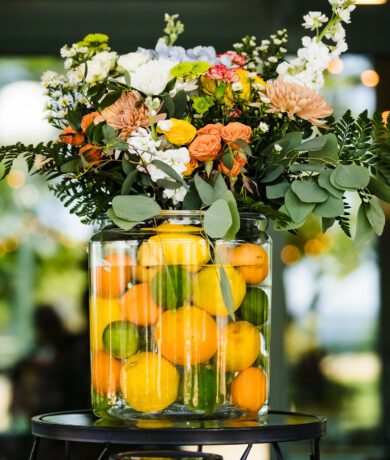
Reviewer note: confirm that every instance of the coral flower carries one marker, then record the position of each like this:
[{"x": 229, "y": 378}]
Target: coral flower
[
  {"x": 91, "y": 152},
  {"x": 71, "y": 137},
  {"x": 238, "y": 163},
  {"x": 221, "y": 72},
  {"x": 297, "y": 101},
  {"x": 191, "y": 166},
  {"x": 88, "y": 119},
  {"x": 237, "y": 59},
  {"x": 236, "y": 130},
  {"x": 128, "y": 113},
  {"x": 205, "y": 147},
  {"x": 211, "y": 128}
]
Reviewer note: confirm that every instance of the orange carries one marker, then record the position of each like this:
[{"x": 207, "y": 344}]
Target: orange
[
  {"x": 102, "y": 313},
  {"x": 111, "y": 279},
  {"x": 249, "y": 389},
  {"x": 252, "y": 262},
  {"x": 105, "y": 373},
  {"x": 314, "y": 247},
  {"x": 290, "y": 254},
  {"x": 139, "y": 307},
  {"x": 239, "y": 346},
  {"x": 186, "y": 336}
]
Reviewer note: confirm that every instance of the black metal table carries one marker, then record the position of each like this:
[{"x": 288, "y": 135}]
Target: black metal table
[{"x": 275, "y": 428}]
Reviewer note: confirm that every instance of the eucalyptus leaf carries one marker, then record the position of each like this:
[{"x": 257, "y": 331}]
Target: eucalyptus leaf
[
  {"x": 127, "y": 78},
  {"x": 298, "y": 167},
  {"x": 236, "y": 223},
  {"x": 220, "y": 187},
  {"x": 226, "y": 291},
  {"x": 121, "y": 223},
  {"x": 169, "y": 171},
  {"x": 228, "y": 160},
  {"x": 129, "y": 181},
  {"x": 72, "y": 166},
  {"x": 128, "y": 167},
  {"x": 192, "y": 200},
  {"x": 364, "y": 230},
  {"x": 375, "y": 215},
  {"x": 290, "y": 141},
  {"x": 205, "y": 190},
  {"x": 218, "y": 219},
  {"x": 169, "y": 184},
  {"x": 277, "y": 190},
  {"x": 272, "y": 173},
  {"x": 317, "y": 143},
  {"x": 180, "y": 101},
  {"x": 309, "y": 191},
  {"x": 110, "y": 98},
  {"x": 109, "y": 133},
  {"x": 379, "y": 189},
  {"x": 297, "y": 210},
  {"x": 331, "y": 148},
  {"x": 332, "y": 207},
  {"x": 351, "y": 177},
  {"x": 325, "y": 182},
  {"x": 283, "y": 224},
  {"x": 244, "y": 146},
  {"x": 135, "y": 208}
]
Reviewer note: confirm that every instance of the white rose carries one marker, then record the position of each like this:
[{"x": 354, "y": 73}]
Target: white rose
[
  {"x": 152, "y": 77},
  {"x": 99, "y": 66},
  {"x": 131, "y": 61}
]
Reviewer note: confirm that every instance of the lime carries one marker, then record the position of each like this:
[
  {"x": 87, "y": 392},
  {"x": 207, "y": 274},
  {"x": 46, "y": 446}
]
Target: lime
[
  {"x": 120, "y": 339},
  {"x": 199, "y": 388},
  {"x": 170, "y": 287},
  {"x": 254, "y": 307}
]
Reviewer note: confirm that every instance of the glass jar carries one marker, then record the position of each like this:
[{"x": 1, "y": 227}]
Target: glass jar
[{"x": 179, "y": 322}]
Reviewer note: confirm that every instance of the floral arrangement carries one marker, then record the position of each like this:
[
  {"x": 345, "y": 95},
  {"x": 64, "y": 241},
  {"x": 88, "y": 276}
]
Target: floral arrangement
[{"x": 175, "y": 128}]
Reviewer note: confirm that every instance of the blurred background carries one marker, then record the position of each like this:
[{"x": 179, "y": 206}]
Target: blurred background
[{"x": 331, "y": 310}]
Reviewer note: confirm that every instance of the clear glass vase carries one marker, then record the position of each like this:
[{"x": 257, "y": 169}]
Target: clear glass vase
[{"x": 179, "y": 322}]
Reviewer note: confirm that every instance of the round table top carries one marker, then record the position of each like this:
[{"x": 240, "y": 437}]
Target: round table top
[{"x": 83, "y": 426}]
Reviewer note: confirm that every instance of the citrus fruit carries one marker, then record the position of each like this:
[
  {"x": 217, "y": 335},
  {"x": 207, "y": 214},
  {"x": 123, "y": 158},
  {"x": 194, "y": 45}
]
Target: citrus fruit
[
  {"x": 174, "y": 249},
  {"x": 199, "y": 388},
  {"x": 120, "y": 339},
  {"x": 249, "y": 389},
  {"x": 149, "y": 383},
  {"x": 102, "y": 312},
  {"x": 207, "y": 289},
  {"x": 111, "y": 278},
  {"x": 186, "y": 336},
  {"x": 240, "y": 346},
  {"x": 171, "y": 286},
  {"x": 105, "y": 372},
  {"x": 138, "y": 305},
  {"x": 167, "y": 227},
  {"x": 254, "y": 307},
  {"x": 252, "y": 262}
]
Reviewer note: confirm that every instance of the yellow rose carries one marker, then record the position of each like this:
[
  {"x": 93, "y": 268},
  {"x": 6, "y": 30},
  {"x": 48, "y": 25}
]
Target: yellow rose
[
  {"x": 208, "y": 85},
  {"x": 178, "y": 132}
]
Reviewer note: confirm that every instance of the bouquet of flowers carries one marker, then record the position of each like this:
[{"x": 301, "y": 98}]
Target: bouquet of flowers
[{"x": 243, "y": 130}]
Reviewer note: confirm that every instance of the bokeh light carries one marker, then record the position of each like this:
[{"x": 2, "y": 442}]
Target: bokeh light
[
  {"x": 370, "y": 78},
  {"x": 336, "y": 66}
]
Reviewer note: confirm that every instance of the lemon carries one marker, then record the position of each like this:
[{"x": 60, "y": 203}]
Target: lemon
[
  {"x": 149, "y": 382},
  {"x": 174, "y": 249},
  {"x": 240, "y": 346},
  {"x": 207, "y": 293},
  {"x": 102, "y": 312},
  {"x": 167, "y": 227}
]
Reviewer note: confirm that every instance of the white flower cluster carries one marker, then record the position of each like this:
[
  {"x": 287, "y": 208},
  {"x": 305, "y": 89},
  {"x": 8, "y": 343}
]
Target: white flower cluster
[
  {"x": 98, "y": 68},
  {"x": 142, "y": 144},
  {"x": 307, "y": 69}
]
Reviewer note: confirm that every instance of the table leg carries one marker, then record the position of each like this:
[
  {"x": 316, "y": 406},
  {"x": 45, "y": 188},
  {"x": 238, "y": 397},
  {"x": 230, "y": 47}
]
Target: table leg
[
  {"x": 246, "y": 452},
  {"x": 200, "y": 448},
  {"x": 34, "y": 450},
  {"x": 277, "y": 450},
  {"x": 104, "y": 453},
  {"x": 316, "y": 451},
  {"x": 66, "y": 450}
]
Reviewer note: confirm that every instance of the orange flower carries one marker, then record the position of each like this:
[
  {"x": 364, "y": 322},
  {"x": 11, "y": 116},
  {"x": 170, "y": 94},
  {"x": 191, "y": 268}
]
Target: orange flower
[
  {"x": 88, "y": 119},
  {"x": 238, "y": 163},
  {"x": 191, "y": 166},
  {"x": 127, "y": 113},
  {"x": 71, "y": 136},
  {"x": 211, "y": 129},
  {"x": 205, "y": 147},
  {"x": 234, "y": 131},
  {"x": 91, "y": 152}
]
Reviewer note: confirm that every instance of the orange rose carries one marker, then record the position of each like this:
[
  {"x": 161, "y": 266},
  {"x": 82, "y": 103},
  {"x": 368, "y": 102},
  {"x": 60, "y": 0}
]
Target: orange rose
[
  {"x": 191, "y": 166},
  {"x": 92, "y": 153},
  {"x": 205, "y": 147},
  {"x": 211, "y": 129},
  {"x": 88, "y": 119},
  {"x": 238, "y": 163},
  {"x": 236, "y": 130},
  {"x": 71, "y": 136}
]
